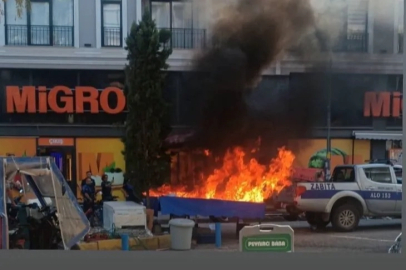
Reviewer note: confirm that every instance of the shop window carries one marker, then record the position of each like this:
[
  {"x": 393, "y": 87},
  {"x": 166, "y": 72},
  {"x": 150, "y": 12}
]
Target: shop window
[{"x": 52, "y": 77}]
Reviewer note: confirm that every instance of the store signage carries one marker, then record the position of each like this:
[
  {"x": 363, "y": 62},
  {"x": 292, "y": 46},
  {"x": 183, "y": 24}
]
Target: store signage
[
  {"x": 62, "y": 99},
  {"x": 56, "y": 142},
  {"x": 383, "y": 104},
  {"x": 267, "y": 243}
]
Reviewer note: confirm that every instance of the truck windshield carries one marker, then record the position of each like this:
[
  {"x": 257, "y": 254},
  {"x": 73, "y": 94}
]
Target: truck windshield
[{"x": 343, "y": 174}]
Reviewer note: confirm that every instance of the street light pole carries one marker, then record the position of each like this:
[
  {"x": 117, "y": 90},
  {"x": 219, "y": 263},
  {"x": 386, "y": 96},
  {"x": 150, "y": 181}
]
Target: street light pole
[{"x": 328, "y": 154}]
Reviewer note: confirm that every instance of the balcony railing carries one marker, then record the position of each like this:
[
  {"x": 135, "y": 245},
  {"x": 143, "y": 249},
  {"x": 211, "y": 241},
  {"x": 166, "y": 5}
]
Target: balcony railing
[
  {"x": 112, "y": 37},
  {"x": 187, "y": 38},
  {"x": 352, "y": 42},
  {"x": 400, "y": 43},
  {"x": 40, "y": 35}
]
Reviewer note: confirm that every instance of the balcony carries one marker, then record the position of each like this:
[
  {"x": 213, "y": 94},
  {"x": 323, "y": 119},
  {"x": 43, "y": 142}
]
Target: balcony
[
  {"x": 39, "y": 35},
  {"x": 187, "y": 38},
  {"x": 112, "y": 37},
  {"x": 352, "y": 42}
]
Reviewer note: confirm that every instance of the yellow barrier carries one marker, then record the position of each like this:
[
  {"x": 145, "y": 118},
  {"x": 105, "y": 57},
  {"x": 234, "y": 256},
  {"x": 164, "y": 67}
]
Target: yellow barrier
[
  {"x": 152, "y": 243},
  {"x": 111, "y": 244},
  {"x": 89, "y": 246},
  {"x": 144, "y": 244},
  {"x": 164, "y": 241}
]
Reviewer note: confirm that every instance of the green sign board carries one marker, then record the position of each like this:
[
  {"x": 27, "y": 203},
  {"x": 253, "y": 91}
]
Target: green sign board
[{"x": 267, "y": 243}]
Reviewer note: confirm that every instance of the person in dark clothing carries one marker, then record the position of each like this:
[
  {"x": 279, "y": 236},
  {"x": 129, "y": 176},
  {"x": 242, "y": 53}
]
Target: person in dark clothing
[
  {"x": 106, "y": 188},
  {"x": 93, "y": 184},
  {"x": 88, "y": 196},
  {"x": 129, "y": 193}
]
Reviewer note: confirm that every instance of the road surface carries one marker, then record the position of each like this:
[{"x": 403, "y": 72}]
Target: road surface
[{"x": 372, "y": 236}]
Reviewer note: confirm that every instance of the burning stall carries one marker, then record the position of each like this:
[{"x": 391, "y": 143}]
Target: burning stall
[{"x": 237, "y": 178}]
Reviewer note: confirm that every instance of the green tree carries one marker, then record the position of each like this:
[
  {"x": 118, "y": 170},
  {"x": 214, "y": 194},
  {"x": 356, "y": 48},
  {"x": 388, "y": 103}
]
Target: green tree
[{"x": 147, "y": 124}]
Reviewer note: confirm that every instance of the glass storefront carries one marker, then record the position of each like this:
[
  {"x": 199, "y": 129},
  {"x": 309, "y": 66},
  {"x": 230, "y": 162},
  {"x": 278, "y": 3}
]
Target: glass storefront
[{"x": 347, "y": 97}]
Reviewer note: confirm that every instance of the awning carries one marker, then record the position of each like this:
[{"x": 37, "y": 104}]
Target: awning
[{"x": 378, "y": 135}]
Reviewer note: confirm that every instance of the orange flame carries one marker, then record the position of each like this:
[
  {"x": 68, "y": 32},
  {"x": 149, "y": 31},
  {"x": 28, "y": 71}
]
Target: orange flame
[{"x": 237, "y": 180}]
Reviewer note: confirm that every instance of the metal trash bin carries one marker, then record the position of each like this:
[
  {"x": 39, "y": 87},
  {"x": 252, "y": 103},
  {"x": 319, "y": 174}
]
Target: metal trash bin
[
  {"x": 267, "y": 238},
  {"x": 181, "y": 231}
]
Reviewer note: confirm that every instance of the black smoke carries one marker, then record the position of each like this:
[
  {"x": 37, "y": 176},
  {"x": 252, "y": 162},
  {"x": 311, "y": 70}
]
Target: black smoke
[{"x": 246, "y": 40}]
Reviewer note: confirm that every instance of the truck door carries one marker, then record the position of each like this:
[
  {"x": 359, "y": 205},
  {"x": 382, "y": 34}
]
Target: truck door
[{"x": 379, "y": 189}]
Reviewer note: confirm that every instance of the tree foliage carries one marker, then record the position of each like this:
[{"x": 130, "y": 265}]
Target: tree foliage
[{"x": 147, "y": 124}]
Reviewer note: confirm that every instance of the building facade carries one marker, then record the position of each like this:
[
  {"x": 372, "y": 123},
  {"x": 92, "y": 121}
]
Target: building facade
[{"x": 61, "y": 63}]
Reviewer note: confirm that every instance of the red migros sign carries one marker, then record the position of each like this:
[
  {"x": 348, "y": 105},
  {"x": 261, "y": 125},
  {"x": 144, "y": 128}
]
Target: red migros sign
[
  {"x": 383, "y": 104},
  {"x": 62, "y": 99}
]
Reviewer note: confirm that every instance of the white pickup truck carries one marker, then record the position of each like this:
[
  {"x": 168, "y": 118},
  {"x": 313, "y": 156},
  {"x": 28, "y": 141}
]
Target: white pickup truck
[{"x": 353, "y": 191}]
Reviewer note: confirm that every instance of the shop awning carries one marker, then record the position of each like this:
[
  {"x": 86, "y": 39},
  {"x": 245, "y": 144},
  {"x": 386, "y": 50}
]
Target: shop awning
[{"x": 378, "y": 135}]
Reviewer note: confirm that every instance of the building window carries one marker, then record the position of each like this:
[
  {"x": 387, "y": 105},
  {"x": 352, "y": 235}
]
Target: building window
[
  {"x": 354, "y": 14},
  {"x": 46, "y": 23},
  {"x": 399, "y": 23},
  {"x": 112, "y": 26},
  {"x": 179, "y": 18}
]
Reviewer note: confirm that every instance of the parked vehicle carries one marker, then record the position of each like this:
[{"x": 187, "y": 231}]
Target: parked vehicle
[{"x": 353, "y": 191}]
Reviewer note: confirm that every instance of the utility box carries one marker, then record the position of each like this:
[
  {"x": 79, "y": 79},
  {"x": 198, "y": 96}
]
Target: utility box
[
  {"x": 123, "y": 215},
  {"x": 266, "y": 238}
]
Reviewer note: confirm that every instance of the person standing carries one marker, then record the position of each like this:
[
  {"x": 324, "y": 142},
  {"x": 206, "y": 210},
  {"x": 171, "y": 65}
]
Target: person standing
[
  {"x": 88, "y": 196},
  {"x": 93, "y": 184},
  {"x": 129, "y": 192},
  {"x": 106, "y": 188}
]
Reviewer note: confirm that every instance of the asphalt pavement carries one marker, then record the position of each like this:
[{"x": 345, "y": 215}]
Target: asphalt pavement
[{"x": 372, "y": 236}]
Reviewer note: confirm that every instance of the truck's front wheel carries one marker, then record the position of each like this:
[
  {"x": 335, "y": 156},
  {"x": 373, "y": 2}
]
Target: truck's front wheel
[{"x": 345, "y": 218}]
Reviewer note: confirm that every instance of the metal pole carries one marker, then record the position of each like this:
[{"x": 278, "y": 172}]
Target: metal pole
[{"x": 328, "y": 154}]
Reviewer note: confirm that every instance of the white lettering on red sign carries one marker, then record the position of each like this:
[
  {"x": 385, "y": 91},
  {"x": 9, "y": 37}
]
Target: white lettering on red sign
[{"x": 56, "y": 141}]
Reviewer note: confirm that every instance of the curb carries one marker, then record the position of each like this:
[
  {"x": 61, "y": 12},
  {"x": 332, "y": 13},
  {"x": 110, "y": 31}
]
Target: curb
[{"x": 152, "y": 243}]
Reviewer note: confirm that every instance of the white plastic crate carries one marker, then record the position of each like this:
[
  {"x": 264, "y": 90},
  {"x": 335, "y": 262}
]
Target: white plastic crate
[{"x": 124, "y": 214}]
